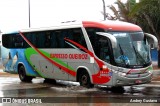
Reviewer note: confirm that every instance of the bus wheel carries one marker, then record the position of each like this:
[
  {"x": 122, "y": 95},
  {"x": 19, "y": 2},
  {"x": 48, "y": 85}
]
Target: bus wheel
[
  {"x": 22, "y": 75},
  {"x": 85, "y": 81}
]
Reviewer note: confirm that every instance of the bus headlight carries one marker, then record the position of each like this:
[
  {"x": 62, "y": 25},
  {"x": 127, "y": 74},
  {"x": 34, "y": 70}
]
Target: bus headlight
[{"x": 121, "y": 74}]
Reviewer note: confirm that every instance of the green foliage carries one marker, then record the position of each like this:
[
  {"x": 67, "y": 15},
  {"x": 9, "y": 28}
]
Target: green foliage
[
  {"x": 123, "y": 10},
  {"x": 145, "y": 14}
]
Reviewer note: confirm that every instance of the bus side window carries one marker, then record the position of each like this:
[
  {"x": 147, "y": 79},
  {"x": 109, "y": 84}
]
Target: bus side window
[
  {"x": 32, "y": 38},
  {"x": 6, "y": 40},
  {"x": 79, "y": 37},
  {"x": 57, "y": 36},
  {"x": 26, "y": 45},
  {"x": 40, "y": 39},
  {"x": 60, "y": 35},
  {"x": 70, "y": 34},
  {"x": 47, "y": 42},
  {"x": 64, "y": 34},
  {"x": 53, "y": 40},
  {"x": 18, "y": 41},
  {"x": 28, "y": 38}
]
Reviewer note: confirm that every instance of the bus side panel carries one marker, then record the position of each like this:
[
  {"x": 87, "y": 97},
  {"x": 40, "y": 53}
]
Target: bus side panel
[
  {"x": 84, "y": 65},
  {"x": 46, "y": 69},
  {"x": 22, "y": 60},
  {"x": 59, "y": 63},
  {"x": 49, "y": 70},
  {"x": 6, "y": 59},
  {"x": 12, "y": 57}
]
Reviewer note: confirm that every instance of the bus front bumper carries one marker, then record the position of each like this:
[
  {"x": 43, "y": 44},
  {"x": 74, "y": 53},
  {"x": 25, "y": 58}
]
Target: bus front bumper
[{"x": 124, "y": 81}]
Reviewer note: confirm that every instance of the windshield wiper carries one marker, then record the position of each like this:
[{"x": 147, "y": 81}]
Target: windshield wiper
[
  {"x": 138, "y": 55},
  {"x": 122, "y": 53}
]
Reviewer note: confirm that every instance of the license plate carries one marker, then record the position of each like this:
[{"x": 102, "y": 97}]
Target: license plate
[{"x": 138, "y": 81}]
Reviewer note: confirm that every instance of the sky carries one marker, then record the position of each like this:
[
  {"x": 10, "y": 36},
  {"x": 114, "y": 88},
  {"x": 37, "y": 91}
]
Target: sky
[{"x": 14, "y": 13}]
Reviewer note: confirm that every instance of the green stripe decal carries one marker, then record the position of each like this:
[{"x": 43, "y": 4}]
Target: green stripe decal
[
  {"x": 57, "y": 60},
  {"x": 30, "y": 51}
]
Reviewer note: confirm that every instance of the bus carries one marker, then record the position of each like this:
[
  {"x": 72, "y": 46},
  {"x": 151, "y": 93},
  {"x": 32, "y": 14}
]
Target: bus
[
  {"x": 109, "y": 53},
  {"x": 0, "y": 57}
]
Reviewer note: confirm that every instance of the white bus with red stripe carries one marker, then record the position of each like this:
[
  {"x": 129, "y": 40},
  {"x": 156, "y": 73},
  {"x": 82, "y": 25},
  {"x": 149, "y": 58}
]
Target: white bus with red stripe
[{"x": 110, "y": 53}]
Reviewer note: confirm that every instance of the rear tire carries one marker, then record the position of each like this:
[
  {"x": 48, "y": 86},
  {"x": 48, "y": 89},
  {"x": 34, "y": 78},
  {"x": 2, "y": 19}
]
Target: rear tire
[
  {"x": 85, "y": 81},
  {"x": 22, "y": 75}
]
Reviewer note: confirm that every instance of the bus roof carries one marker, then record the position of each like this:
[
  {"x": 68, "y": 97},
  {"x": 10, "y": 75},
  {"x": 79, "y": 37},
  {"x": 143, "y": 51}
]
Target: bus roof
[
  {"x": 113, "y": 25},
  {"x": 107, "y": 25}
]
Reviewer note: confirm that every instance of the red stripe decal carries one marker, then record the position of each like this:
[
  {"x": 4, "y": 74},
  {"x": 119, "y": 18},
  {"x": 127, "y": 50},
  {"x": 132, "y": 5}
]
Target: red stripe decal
[
  {"x": 103, "y": 75},
  {"x": 71, "y": 72}
]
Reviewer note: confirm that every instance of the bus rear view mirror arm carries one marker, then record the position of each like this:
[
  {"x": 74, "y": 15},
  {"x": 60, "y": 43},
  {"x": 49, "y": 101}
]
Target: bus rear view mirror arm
[
  {"x": 110, "y": 37},
  {"x": 152, "y": 40}
]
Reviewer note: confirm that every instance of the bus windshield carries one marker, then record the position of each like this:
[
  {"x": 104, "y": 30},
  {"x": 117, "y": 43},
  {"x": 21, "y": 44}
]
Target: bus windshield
[{"x": 131, "y": 49}]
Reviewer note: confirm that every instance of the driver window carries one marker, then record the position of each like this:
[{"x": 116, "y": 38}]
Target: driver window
[
  {"x": 104, "y": 49},
  {"x": 100, "y": 44}
]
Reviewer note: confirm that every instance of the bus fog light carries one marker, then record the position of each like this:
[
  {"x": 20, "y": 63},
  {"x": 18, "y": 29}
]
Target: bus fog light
[
  {"x": 116, "y": 72},
  {"x": 123, "y": 74},
  {"x": 150, "y": 72}
]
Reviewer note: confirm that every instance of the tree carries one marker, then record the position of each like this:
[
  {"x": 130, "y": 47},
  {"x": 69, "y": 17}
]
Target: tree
[
  {"x": 147, "y": 15},
  {"x": 122, "y": 12}
]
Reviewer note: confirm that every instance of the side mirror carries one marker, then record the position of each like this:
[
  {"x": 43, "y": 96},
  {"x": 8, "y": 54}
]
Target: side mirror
[
  {"x": 152, "y": 40},
  {"x": 111, "y": 37}
]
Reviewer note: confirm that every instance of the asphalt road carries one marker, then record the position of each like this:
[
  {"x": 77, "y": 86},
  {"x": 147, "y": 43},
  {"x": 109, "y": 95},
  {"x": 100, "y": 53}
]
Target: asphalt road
[{"x": 70, "y": 93}]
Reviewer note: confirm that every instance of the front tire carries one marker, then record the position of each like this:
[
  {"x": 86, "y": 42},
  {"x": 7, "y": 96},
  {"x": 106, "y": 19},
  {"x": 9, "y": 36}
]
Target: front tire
[
  {"x": 22, "y": 75},
  {"x": 85, "y": 81}
]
